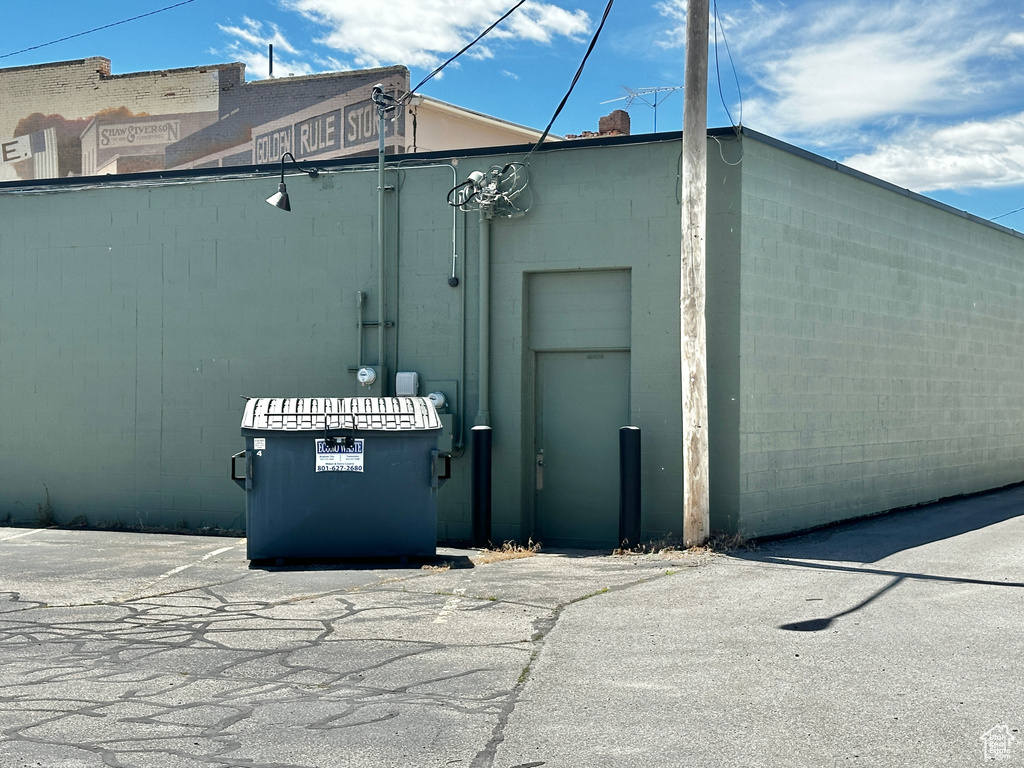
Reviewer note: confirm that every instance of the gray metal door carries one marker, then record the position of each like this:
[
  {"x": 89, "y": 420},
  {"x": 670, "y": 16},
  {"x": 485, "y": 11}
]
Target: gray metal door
[{"x": 582, "y": 400}]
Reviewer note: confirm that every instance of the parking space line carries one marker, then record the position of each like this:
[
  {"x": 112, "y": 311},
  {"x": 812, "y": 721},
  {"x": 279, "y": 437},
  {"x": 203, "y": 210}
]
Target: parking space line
[
  {"x": 173, "y": 571},
  {"x": 140, "y": 590},
  {"x": 451, "y": 604},
  {"x": 215, "y": 552},
  {"x": 181, "y": 568},
  {"x": 19, "y": 535}
]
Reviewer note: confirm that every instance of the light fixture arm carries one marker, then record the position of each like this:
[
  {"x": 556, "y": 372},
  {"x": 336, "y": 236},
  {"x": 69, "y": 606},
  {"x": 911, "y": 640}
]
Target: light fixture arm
[
  {"x": 313, "y": 172},
  {"x": 280, "y": 198}
]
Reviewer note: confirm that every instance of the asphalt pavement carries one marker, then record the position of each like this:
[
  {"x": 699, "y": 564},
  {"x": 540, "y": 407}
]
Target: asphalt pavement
[{"x": 894, "y": 641}]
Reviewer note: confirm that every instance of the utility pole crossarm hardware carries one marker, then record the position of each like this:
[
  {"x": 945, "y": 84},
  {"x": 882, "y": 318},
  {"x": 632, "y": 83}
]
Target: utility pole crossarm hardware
[{"x": 696, "y": 523}]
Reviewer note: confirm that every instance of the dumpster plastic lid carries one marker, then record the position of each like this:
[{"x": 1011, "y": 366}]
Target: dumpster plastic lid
[{"x": 392, "y": 414}]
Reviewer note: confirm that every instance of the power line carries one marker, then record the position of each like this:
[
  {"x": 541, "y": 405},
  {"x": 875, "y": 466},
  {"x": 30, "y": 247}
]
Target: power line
[
  {"x": 718, "y": 73},
  {"x": 97, "y": 29},
  {"x": 1001, "y": 215},
  {"x": 583, "y": 63},
  {"x": 478, "y": 38}
]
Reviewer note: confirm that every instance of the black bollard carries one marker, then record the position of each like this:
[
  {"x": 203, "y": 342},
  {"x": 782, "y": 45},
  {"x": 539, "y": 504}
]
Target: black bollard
[
  {"x": 480, "y": 509},
  {"x": 629, "y": 486}
]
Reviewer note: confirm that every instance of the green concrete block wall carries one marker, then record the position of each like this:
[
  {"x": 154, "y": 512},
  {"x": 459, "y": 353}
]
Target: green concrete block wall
[
  {"x": 594, "y": 208},
  {"x": 864, "y": 347},
  {"x": 722, "y": 316},
  {"x": 132, "y": 319},
  {"x": 882, "y": 347}
]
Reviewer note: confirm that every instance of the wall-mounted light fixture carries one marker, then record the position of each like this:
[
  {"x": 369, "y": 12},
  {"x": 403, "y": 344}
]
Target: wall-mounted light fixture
[{"x": 280, "y": 198}]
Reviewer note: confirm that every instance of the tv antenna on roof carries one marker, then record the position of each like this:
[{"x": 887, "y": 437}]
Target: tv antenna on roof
[{"x": 648, "y": 96}]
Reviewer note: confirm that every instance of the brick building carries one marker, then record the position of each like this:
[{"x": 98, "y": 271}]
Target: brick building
[{"x": 75, "y": 118}]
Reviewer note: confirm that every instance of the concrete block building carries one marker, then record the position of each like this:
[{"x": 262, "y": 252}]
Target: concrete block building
[{"x": 865, "y": 344}]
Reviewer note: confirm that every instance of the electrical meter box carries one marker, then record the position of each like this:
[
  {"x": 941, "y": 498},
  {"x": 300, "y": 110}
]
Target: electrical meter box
[
  {"x": 407, "y": 383},
  {"x": 328, "y": 477}
]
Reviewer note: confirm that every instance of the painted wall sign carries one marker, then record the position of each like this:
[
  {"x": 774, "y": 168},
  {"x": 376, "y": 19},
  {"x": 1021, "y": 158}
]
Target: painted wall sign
[
  {"x": 16, "y": 149},
  {"x": 361, "y": 123},
  {"x": 132, "y": 134},
  {"x": 192, "y": 117},
  {"x": 338, "y": 458},
  {"x": 270, "y": 146},
  {"x": 318, "y": 134}
]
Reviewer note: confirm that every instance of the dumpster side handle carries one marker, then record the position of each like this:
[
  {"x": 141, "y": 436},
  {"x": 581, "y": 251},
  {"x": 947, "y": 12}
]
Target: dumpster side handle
[
  {"x": 440, "y": 468},
  {"x": 244, "y": 482}
]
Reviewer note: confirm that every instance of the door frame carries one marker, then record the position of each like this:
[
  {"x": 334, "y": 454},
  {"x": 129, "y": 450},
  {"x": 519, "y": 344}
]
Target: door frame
[{"x": 528, "y": 393}]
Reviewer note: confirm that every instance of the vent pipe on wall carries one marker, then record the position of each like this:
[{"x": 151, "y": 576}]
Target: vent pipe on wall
[
  {"x": 483, "y": 415},
  {"x": 384, "y": 103}
]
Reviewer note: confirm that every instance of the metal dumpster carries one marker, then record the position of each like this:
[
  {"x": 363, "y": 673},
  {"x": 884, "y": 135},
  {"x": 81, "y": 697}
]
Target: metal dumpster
[{"x": 328, "y": 477}]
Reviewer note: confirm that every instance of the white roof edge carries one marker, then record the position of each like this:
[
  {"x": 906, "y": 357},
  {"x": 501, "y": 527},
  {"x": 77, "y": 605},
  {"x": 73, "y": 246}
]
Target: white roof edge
[{"x": 444, "y": 106}]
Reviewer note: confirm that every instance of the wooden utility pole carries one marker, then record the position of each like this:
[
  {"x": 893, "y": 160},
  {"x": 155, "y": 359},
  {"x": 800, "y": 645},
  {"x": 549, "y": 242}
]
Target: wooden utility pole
[{"x": 696, "y": 525}]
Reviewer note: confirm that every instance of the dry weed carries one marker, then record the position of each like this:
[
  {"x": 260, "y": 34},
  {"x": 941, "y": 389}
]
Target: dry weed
[
  {"x": 667, "y": 546},
  {"x": 509, "y": 550},
  {"x": 441, "y": 567},
  {"x": 730, "y": 542},
  {"x": 671, "y": 548}
]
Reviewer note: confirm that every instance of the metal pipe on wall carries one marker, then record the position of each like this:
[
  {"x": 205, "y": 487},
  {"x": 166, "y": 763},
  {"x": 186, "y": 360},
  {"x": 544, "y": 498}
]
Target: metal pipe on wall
[
  {"x": 461, "y": 442},
  {"x": 381, "y": 130},
  {"x": 483, "y": 414},
  {"x": 359, "y": 328}
]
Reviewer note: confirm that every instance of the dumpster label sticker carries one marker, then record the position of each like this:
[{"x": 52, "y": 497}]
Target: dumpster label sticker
[
  {"x": 338, "y": 458},
  {"x": 259, "y": 443}
]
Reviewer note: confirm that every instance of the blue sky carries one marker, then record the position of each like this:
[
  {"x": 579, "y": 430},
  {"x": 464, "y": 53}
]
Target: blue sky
[{"x": 927, "y": 95}]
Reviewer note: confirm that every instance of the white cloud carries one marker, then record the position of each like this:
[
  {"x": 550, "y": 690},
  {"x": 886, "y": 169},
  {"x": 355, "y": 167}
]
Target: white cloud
[
  {"x": 251, "y": 46},
  {"x": 257, "y": 64},
  {"x": 422, "y": 34},
  {"x": 815, "y": 70},
  {"x": 675, "y": 12},
  {"x": 416, "y": 33},
  {"x": 912, "y": 91},
  {"x": 541, "y": 22},
  {"x": 975, "y": 154},
  {"x": 332, "y": 64},
  {"x": 851, "y": 81},
  {"x": 846, "y": 64},
  {"x": 252, "y": 32},
  {"x": 1014, "y": 40},
  {"x": 751, "y": 25}
]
